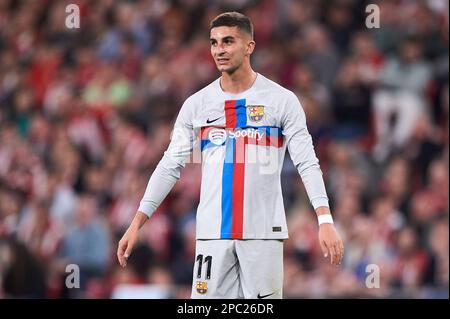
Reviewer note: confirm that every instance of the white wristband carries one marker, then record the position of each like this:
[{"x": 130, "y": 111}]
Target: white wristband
[{"x": 325, "y": 219}]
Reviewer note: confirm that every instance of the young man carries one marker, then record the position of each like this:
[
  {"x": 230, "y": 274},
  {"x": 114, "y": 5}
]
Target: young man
[{"x": 243, "y": 123}]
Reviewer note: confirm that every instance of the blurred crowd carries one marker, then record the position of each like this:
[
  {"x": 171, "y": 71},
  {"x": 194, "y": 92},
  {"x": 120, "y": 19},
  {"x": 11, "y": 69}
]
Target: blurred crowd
[{"x": 86, "y": 114}]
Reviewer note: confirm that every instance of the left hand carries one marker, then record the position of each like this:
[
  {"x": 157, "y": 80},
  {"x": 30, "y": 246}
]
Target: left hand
[{"x": 331, "y": 243}]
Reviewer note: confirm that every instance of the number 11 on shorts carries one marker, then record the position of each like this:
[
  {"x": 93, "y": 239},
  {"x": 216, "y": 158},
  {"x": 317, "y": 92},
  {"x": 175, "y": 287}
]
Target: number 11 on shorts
[{"x": 208, "y": 260}]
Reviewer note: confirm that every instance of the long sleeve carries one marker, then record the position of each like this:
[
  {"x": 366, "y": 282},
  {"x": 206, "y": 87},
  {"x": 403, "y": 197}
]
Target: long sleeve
[
  {"x": 301, "y": 150},
  {"x": 168, "y": 170}
]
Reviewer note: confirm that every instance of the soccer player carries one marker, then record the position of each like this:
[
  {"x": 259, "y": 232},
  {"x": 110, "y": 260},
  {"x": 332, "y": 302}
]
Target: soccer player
[{"x": 242, "y": 123}]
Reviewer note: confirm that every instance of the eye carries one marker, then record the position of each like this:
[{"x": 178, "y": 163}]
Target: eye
[{"x": 213, "y": 43}]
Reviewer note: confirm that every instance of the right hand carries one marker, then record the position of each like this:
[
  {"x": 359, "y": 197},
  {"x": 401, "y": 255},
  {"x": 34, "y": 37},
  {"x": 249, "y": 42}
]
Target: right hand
[{"x": 126, "y": 245}]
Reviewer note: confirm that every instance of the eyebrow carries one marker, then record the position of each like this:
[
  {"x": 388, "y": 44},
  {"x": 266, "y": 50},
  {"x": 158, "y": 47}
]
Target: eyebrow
[{"x": 228, "y": 37}]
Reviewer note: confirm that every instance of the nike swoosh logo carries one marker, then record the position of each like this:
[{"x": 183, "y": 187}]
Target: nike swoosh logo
[
  {"x": 211, "y": 121},
  {"x": 264, "y": 296}
]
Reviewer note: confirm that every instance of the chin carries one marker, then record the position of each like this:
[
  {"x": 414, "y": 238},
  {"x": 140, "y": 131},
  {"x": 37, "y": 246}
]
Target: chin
[{"x": 227, "y": 69}]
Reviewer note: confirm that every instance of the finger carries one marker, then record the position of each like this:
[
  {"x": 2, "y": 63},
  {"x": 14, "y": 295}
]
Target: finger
[
  {"x": 119, "y": 252},
  {"x": 341, "y": 249},
  {"x": 338, "y": 254},
  {"x": 332, "y": 253},
  {"x": 331, "y": 249},
  {"x": 120, "y": 255},
  {"x": 121, "y": 261},
  {"x": 128, "y": 250},
  {"x": 324, "y": 249}
]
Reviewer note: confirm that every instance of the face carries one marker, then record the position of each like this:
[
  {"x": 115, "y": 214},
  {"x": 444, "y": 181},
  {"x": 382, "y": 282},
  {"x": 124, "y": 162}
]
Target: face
[
  {"x": 230, "y": 48},
  {"x": 86, "y": 210}
]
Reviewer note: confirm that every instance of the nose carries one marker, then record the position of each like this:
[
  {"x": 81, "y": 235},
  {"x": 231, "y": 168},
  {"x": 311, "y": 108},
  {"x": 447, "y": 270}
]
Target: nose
[{"x": 220, "y": 49}]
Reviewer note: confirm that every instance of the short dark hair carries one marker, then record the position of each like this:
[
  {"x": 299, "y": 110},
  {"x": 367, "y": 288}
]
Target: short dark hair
[{"x": 233, "y": 19}]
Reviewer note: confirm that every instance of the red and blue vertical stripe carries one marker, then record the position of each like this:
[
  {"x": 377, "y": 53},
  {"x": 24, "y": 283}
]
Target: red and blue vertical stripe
[{"x": 233, "y": 174}]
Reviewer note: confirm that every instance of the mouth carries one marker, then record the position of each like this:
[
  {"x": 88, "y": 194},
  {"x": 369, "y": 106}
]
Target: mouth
[{"x": 223, "y": 60}]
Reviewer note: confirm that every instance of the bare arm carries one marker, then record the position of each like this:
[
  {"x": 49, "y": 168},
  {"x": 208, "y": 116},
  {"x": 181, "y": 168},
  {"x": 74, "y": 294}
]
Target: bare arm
[
  {"x": 304, "y": 158},
  {"x": 129, "y": 239},
  {"x": 162, "y": 180}
]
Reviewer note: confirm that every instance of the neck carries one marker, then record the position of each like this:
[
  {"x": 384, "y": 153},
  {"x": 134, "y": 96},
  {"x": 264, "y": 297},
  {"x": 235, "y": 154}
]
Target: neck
[{"x": 239, "y": 81}]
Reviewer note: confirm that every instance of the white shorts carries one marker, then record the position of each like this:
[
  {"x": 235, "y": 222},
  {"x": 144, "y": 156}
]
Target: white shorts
[{"x": 231, "y": 269}]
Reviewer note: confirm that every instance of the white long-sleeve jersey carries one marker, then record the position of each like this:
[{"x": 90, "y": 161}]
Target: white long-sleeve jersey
[{"x": 240, "y": 140}]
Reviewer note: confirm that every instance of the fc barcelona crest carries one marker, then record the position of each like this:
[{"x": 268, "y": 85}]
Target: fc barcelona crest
[
  {"x": 202, "y": 287},
  {"x": 255, "y": 112}
]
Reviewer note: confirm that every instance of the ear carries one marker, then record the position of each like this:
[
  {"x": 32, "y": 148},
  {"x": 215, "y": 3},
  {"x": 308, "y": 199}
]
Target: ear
[{"x": 250, "y": 47}]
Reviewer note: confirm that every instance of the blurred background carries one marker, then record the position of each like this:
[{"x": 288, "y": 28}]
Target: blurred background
[{"x": 85, "y": 115}]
